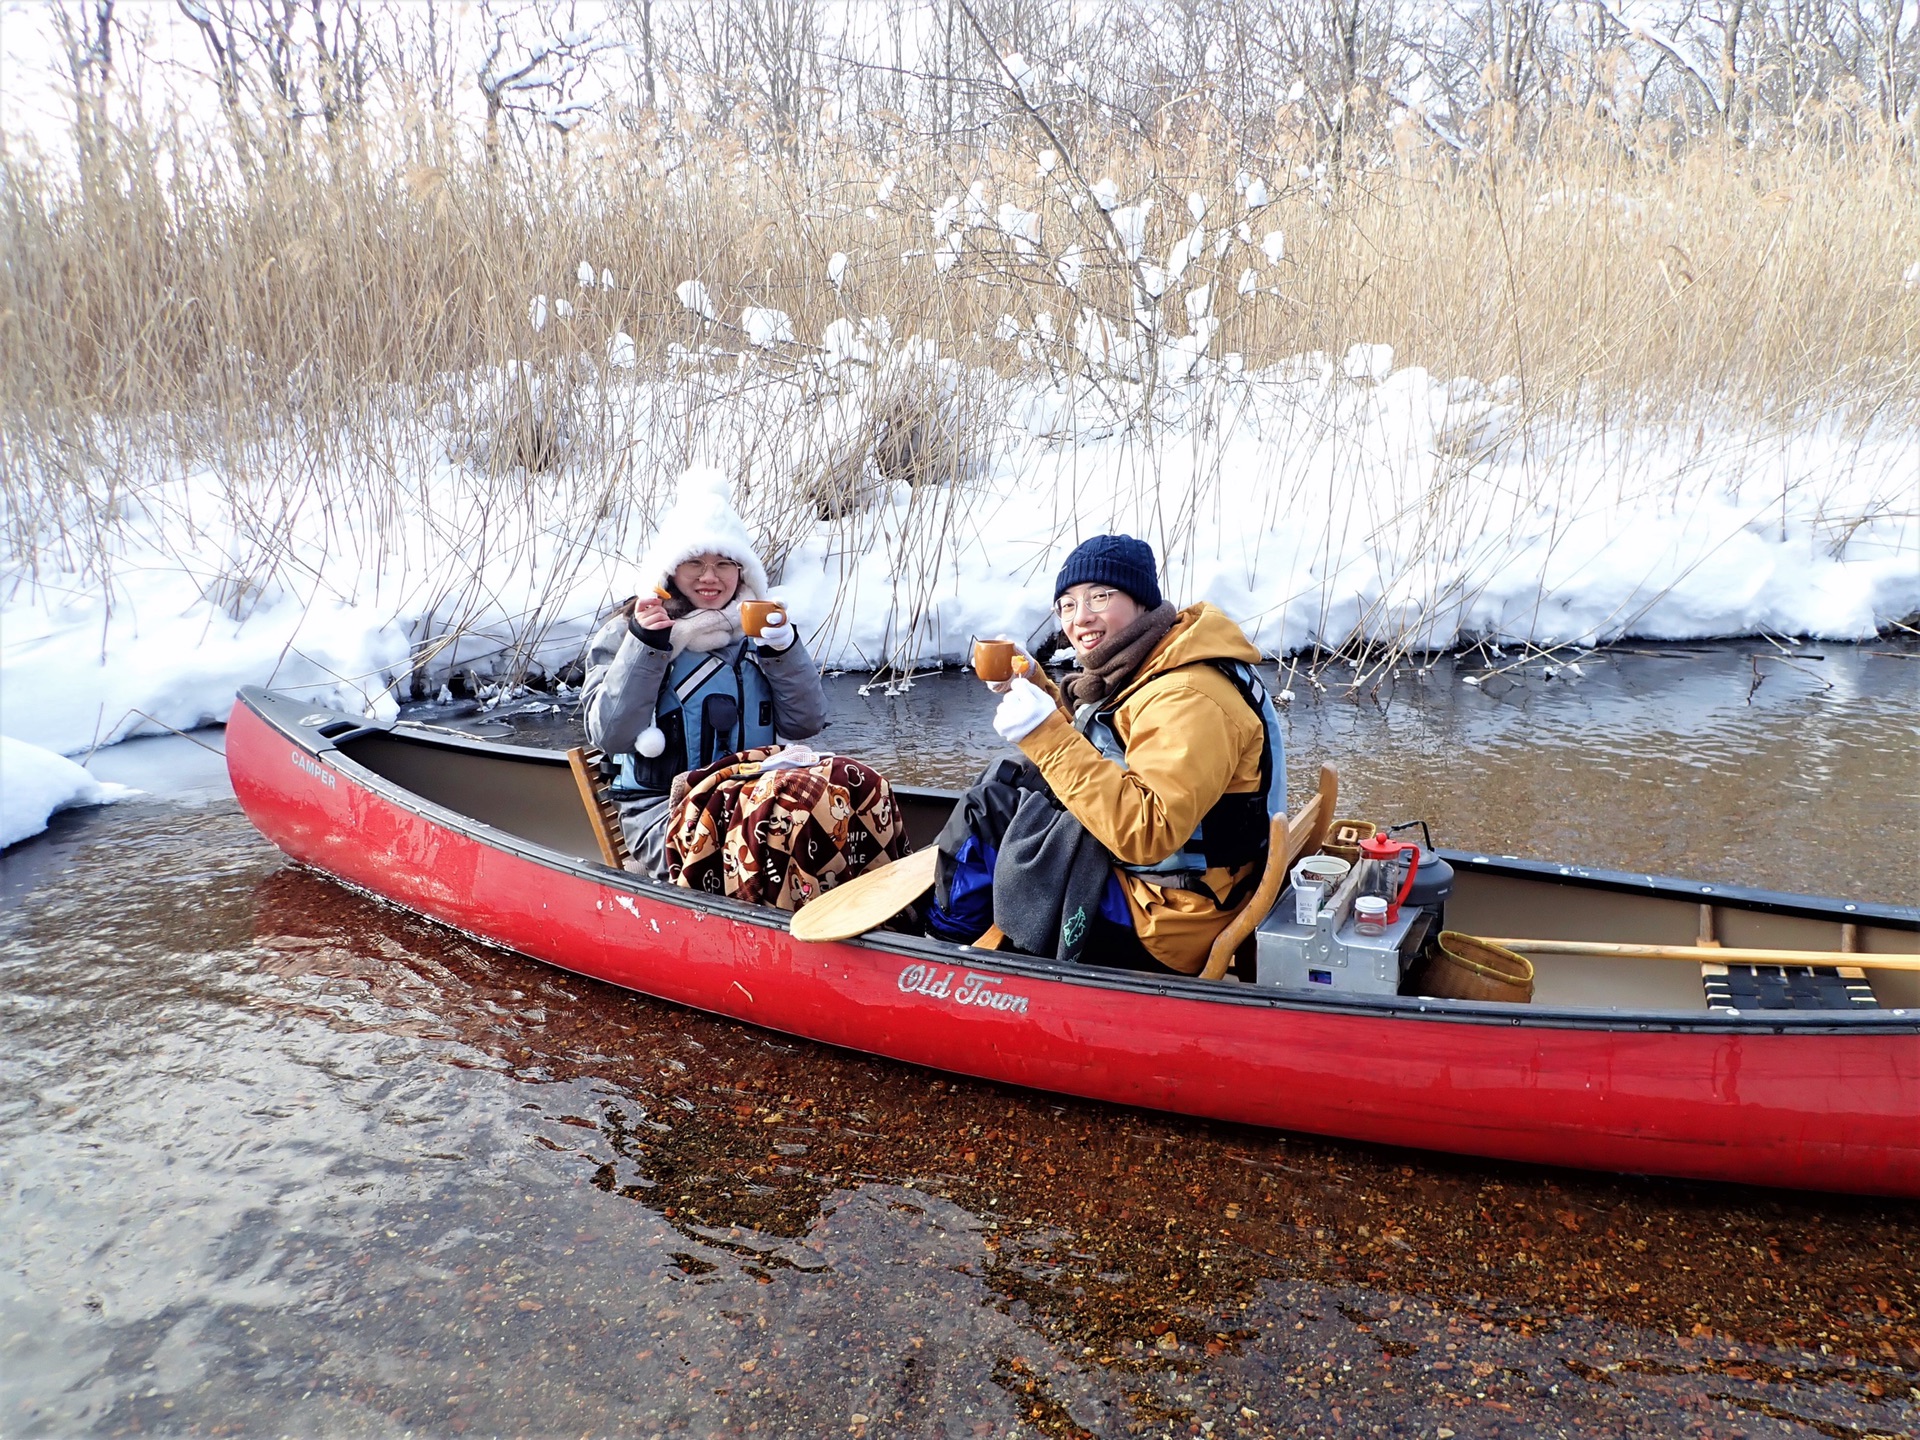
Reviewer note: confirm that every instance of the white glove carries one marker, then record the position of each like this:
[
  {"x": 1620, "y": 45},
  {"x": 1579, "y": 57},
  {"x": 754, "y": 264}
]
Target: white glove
[
  {"x": 776, "y": 638},
  {"x": 1022, "y": 710}
]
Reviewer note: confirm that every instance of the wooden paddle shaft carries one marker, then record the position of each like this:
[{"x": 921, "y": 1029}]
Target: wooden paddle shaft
[{"x": 1715, "y": 954}]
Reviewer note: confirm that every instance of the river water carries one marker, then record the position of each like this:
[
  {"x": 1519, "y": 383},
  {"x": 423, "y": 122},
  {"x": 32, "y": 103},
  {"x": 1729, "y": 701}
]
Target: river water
[{"x": 280, "y": 1159}]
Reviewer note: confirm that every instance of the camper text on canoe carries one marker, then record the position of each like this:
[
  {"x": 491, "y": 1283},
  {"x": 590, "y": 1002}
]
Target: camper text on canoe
[{"x": 970, "y": 988}]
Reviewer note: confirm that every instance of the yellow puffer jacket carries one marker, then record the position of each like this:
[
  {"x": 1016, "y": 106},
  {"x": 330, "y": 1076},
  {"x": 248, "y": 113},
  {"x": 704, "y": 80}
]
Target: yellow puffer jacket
[{"x": 1189, "y": 739}]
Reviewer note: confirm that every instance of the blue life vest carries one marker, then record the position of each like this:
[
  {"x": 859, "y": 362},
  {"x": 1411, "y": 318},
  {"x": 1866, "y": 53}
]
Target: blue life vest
[
  {"x": 711, "y": 703},
  {"x": 1235, "y": 831}
]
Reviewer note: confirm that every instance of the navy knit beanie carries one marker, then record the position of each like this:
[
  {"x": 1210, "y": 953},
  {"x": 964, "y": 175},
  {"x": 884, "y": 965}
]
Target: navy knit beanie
[{"x": 1117, "y": 560}]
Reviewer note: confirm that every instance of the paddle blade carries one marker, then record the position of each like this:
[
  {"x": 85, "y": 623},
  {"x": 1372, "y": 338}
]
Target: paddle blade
[{"x": 867, "y": 900}]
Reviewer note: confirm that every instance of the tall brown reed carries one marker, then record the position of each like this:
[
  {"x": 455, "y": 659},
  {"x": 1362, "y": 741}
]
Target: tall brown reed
[
  {"x": 159, "y": 305},
  {"x": 155, "y": 282}
]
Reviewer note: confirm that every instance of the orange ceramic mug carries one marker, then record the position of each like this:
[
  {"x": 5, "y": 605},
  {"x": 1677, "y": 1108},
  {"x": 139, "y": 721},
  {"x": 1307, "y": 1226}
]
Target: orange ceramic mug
[
  {"x": 993, "y": 660},
  {"x": 758, "y": 616}
]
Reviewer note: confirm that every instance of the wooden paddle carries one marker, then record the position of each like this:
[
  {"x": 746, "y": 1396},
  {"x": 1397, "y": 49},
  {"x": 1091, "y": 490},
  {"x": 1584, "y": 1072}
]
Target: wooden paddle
[
  {"x": 867, "y": 900},
  {"x": 1714, "y": 954}
]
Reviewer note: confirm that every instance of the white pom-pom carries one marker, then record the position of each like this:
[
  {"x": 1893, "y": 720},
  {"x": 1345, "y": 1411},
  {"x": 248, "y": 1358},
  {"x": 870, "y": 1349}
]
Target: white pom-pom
[
  {"x": 705, "y": 485},
  {"x": 651, "y": 742}
]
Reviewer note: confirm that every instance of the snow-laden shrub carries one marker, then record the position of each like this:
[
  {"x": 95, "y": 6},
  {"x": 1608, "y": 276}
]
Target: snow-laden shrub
[
  {"x": 908, "y": 424},
  {"x": 519, "y": 421}
]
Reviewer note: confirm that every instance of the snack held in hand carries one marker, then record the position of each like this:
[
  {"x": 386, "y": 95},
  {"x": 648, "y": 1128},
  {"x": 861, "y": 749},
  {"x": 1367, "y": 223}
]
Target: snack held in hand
[{"x": 1021, "y": 710}]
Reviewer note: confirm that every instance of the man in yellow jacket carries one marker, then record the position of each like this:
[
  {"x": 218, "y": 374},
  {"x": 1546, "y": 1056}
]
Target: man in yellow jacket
[{"x": 1162, "y": 744}]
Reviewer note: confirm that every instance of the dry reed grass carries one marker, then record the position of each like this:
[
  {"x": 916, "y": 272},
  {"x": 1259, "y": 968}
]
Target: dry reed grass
[
  {"x": 157, "y": 283},
  {"x": 311, "y": 330}
]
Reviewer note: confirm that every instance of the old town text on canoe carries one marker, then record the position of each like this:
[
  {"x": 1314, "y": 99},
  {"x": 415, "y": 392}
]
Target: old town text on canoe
[{"x": 971, "y": 988}]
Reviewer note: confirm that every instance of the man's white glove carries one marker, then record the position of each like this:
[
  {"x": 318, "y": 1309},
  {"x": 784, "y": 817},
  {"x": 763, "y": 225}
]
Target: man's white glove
[
  {"x": 776, "y": 638},
  {"x": 1022, "y": 709}
]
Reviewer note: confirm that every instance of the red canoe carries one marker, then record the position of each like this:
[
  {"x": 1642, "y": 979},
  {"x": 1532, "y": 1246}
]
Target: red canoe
[{"x": 1619, "y": 1064}]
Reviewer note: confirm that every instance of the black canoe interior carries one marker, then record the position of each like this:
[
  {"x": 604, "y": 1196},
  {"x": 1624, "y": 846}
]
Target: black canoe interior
[{"x": 531, "y": 794}]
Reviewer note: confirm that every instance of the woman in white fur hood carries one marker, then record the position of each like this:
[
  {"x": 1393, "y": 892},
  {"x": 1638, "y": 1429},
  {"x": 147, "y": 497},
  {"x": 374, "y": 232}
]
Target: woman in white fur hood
[{"x": 673, "y": 683}]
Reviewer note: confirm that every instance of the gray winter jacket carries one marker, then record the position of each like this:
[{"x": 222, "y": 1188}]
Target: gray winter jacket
[
  {"x": 624, "y": 676},
  {"x": 622, "y": 689}
]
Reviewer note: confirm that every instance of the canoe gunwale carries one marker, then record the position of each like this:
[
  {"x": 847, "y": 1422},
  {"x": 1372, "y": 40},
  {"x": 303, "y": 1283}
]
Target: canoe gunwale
[
  {"x": 1635, "y": 882},
  {"x": 275, "y": 711},
  {"x": 1671, "y": 887}
]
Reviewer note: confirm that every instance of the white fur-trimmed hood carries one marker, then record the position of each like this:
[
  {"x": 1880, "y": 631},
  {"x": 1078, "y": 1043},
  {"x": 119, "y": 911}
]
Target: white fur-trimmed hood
[{"x": 702, "y": 521}]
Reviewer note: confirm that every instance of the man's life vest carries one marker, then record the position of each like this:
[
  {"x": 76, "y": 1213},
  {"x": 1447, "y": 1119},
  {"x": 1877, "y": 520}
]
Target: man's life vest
[
  {"x": 711, "y": 704},
  {"x": 1235, "y": 831}
]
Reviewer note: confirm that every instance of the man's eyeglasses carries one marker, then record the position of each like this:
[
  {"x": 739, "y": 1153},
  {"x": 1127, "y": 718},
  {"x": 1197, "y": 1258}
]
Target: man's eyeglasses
[{"x": 1096, "y": 603}]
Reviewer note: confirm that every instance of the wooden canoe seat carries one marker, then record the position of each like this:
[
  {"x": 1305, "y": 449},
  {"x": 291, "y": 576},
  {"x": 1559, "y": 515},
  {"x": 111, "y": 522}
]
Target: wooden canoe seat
[
  {"x": 603, "y": 816},
  {"x": 1287, "y": 842}
]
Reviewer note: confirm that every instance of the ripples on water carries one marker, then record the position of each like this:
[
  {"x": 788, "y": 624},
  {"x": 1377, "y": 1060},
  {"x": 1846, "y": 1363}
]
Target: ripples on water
[{"x": 279, "y": 1158}]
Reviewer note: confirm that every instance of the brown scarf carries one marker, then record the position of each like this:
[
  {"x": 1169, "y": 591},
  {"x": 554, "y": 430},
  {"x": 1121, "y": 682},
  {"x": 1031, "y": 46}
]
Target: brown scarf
[{"x": 1106, "y": 669}]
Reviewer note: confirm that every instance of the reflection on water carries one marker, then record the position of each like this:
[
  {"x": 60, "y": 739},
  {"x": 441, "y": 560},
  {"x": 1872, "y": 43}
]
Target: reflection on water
[{"x": 279, "y": 1158}]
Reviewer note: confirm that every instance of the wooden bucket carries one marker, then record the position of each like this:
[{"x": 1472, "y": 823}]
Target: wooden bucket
[
  {"x": 1467, "y": 968},
  {"x": 1344, "y": 837}
]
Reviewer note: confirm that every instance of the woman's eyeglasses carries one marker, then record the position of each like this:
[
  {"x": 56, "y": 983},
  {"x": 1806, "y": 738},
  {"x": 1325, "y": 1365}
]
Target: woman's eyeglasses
[
  {"x": 1096, "y": 603},
  {"x": 719, "y": 569}
]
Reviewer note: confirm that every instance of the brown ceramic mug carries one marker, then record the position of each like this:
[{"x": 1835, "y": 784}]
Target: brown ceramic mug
[
  {"x": 993, "y": 660},
  {"x": 757, "y": 616}
]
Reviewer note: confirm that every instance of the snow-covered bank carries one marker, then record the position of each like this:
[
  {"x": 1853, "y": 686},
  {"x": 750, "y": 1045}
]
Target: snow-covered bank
[
  {"x": 1320, "y": 502},
  {"x": 34, "y": 783}
]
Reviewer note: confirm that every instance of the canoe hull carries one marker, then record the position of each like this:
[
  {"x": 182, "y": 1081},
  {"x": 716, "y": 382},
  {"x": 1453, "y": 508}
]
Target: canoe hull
[{"x": 1809, "y": 1109}]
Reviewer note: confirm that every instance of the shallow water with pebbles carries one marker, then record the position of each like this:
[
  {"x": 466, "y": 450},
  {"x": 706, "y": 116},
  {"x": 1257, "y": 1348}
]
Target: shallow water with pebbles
[{"x": 278, "y": 1158}]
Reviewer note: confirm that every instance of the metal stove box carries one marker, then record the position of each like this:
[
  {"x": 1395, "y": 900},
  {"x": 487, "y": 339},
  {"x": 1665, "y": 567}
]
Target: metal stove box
[{"x": 1331, "y": 956}]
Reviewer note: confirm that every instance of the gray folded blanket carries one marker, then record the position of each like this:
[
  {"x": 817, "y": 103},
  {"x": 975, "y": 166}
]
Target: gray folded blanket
[
  {"x": 1049, "y": 874},
  {"x": 1048, "y": 879}
]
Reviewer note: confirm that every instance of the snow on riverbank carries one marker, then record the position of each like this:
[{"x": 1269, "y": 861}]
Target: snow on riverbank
[
  {"x": 1316, "y": 502},
  {"x": 1325, "y": 514},
  {"x": 34, "y": 783}
]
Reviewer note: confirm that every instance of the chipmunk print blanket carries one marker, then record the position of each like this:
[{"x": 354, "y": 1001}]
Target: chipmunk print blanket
[{"x": 755, "y": 826}]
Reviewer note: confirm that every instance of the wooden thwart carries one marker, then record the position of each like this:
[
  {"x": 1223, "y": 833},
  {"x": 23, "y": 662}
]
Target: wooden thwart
[
  {"x": 1717, "y": 954},
  {"x": 867, "y": 900}
]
